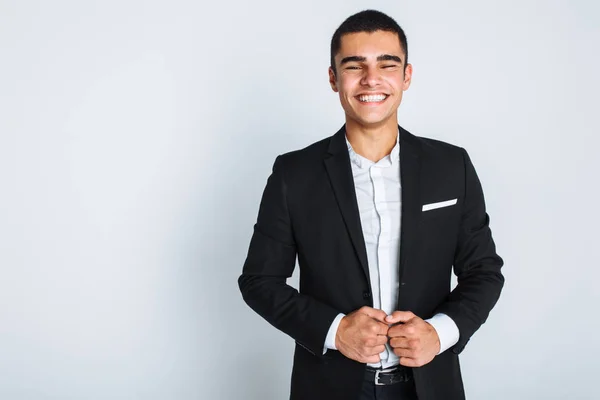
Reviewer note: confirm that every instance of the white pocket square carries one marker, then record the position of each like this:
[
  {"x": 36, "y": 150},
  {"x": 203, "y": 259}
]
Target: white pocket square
[{"x": 433, "y": 206}]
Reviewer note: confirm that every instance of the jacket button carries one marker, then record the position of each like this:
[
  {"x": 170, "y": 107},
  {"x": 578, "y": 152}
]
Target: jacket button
[{"x": 366, "y": 294}]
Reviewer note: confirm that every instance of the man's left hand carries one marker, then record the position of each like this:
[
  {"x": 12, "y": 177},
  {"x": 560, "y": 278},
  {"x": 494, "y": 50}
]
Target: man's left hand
[{"x": 415, "y": 341}]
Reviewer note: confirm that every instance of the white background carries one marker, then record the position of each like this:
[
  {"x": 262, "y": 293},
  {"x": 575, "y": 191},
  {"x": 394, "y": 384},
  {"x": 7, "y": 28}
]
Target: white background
[{"x": 136, "y": 138}]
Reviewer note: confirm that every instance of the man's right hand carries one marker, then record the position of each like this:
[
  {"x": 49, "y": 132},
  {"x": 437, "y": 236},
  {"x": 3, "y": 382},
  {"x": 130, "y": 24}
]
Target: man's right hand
[{"x": 362, "y": 335}]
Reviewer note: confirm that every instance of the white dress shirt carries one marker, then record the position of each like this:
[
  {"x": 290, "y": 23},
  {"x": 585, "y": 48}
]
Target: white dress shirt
[{"x": 378, "y": 194}]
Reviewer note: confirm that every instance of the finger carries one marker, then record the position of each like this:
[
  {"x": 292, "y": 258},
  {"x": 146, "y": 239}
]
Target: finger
[
  {"x": 372, "y": 359},
  {"x": 375, "y": 328},
  {"x": 397, "y": 331},
  {"x": 409, "y": 330},
  {"x": 382, "y": 329},
  {"x": 407, "y": 353},
  {"x": 373, "y": 341},
  {"x": 381, "y": 340},
  {"x": 375, "y": 350},
  {"x": 399, "y": 316},
  {"x": 374, "y": 313},
  {"x": 409, "y": 362},
  {"x": 400, "y": 342}
]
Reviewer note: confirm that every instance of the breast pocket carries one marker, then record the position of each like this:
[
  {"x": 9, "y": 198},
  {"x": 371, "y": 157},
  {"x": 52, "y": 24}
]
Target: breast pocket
[
  {"x": 438, "y": 230},
  {"x": 444, "y": 208}
]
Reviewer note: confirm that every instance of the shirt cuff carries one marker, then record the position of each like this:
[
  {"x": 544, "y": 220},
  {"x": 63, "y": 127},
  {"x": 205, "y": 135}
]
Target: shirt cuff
[
  {"x": 330, "y": 338},
  {"x": 446, "y": 329}
]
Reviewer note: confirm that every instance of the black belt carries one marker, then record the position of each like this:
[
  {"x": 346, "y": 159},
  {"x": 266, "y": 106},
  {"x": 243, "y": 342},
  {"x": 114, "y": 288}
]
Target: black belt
[{"x": 388, "y": 376}]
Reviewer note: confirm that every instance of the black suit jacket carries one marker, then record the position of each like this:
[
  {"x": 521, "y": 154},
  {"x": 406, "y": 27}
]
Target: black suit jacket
[{"x": 309, "y": 210}]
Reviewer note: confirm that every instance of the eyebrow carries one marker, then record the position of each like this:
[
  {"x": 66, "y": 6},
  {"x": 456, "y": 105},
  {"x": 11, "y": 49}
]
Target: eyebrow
[
  {"x": 389, "y": 57},
  {"x": 383, "y": 57}
]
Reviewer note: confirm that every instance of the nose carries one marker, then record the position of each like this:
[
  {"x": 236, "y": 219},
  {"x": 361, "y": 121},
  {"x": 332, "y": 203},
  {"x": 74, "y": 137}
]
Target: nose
[{"x": 370, "y": 76}]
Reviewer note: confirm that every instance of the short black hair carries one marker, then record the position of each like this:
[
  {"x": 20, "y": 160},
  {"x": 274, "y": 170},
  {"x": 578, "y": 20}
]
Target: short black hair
[{"x": 367, "y": 21}]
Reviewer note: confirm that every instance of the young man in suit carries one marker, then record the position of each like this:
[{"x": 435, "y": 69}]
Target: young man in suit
[{"x": 378, "y": 218}]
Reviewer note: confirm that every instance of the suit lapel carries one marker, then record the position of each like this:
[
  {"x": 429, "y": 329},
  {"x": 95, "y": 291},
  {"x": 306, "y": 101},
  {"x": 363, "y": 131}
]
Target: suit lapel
[
  {"x": 410, "y": 172},
  {"x": 340, "y": 174}
]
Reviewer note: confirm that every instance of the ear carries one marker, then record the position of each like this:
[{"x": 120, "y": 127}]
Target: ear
[
  {"x": 332, "y": 80},
  {"x": 408, "y": 71}
]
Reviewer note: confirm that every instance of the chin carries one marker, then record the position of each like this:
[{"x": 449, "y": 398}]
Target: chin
[{"x": 374, "y": 120}]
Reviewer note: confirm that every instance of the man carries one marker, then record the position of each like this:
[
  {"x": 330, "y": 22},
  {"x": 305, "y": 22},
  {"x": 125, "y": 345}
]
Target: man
[{"x": 378, "y": 218}]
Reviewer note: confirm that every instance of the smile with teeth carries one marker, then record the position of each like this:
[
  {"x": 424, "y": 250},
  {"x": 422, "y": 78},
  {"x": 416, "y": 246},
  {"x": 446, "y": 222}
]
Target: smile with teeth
[{"x": 372, "y": 98}]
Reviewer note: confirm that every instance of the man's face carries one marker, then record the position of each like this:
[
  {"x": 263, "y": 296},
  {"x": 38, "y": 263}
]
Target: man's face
[{"x": 370, "y": 77}]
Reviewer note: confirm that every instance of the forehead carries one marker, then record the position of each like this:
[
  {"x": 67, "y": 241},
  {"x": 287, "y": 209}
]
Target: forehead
[{"x": 369, "y": 44}]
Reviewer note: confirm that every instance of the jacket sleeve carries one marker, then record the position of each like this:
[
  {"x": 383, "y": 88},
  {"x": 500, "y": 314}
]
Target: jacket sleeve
[
  {"x": 270, "y": 261},
  {"x": 476, "y": 264}
]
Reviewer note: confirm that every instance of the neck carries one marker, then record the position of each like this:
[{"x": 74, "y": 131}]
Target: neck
[{"x": 372, "y": 142}]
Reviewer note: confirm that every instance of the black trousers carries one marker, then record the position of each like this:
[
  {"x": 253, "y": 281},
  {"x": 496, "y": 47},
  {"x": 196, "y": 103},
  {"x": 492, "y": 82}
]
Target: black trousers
[{"x": 397, "y": 391}]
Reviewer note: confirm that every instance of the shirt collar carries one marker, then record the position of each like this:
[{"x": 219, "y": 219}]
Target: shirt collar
[{"x": 360, "y": 161}]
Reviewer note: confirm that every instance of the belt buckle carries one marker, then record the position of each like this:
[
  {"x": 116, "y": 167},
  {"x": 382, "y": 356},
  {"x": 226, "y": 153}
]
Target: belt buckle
[
  {"x": 382, "y": 371},
  {"x": 377, "y": 378},
  {"x": 389, "y": 370}
]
